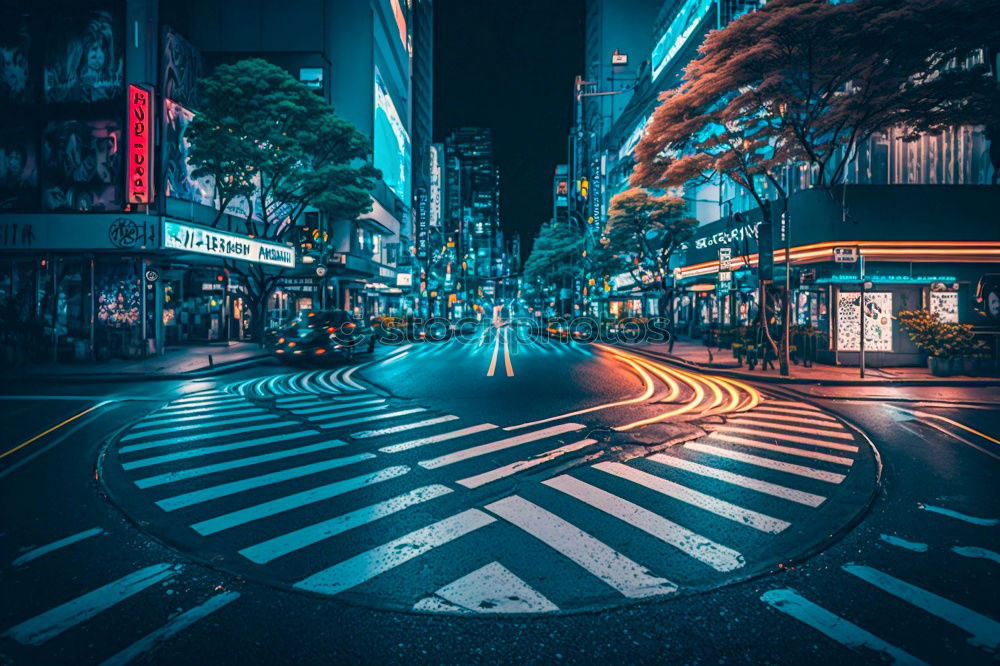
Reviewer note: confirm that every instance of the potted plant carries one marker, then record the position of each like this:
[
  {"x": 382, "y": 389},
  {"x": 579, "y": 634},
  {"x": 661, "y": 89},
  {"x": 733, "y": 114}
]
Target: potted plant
[{"x": 948, "y": 346}]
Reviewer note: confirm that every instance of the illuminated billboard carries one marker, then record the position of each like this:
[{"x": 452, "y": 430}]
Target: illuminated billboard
[
  {"x": 681, "y": 28},
  {"x": 391, "y": 142}
]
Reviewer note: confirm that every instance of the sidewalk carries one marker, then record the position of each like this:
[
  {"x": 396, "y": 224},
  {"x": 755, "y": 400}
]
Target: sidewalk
[
  {"x": 176, "y": 362},
  {"x": 722, "y": 361}
]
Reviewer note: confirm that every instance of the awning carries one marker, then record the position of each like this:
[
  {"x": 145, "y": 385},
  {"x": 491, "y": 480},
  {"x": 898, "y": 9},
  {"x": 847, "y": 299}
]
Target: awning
[{"x": 374, "y": 226}]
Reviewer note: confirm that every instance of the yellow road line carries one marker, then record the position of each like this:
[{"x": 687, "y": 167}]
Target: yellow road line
[
  {"x": 506, "y": 354},
  {"x": 53, "y": 428},
  {"x": 493, "y": 362},
  {"x": 957, "y": 424}
]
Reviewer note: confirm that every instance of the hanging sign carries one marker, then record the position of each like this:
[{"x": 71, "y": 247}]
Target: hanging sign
[
  {"x": 845, "y": 255},
  {"x": 140, "y": 128}
]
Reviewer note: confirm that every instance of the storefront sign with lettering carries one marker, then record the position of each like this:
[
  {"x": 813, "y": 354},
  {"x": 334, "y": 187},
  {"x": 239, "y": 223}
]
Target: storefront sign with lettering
[
  {"x": 140, "y": 128},
  {"x": 225, "y": 245}
]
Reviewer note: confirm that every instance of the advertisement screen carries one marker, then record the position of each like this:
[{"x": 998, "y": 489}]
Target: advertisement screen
[{"x": 392, "y": 142}]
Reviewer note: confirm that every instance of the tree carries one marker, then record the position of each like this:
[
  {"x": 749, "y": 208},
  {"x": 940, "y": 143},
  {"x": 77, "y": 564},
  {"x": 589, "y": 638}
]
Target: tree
[
  {"x": 556, "y": 257},
  {"x": 807, "y": 81},
  {"x": 644, "y": 230},
  {"x": 261, "y": 133}
]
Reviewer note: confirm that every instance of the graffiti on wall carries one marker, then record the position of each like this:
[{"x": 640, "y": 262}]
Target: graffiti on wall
[
  {"x": 84, "y": 59},
  {"x": 83, "y": 165},
  {"x": 177, "y": 179},
  {"x": 182, "y": 67}
]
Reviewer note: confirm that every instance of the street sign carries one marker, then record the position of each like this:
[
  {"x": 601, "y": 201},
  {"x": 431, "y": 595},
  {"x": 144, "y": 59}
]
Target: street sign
[
  {"x": 845, "y": 255},
  {"x": 619, "y": 58},
  {"x": 321, "y": 271},
  {"x": 725, "y": 259},
  {"x": 152, "y": 275}
]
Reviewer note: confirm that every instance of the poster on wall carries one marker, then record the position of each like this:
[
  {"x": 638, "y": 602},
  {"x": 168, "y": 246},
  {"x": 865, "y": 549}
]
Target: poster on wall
[
  {"x": 118, "y": 296},
  {"x": 83, "y": 60},
  {"x": 15, "y": 44},
  {"x": 18, "y": 171},
  {"x": 178, "y": 181},
  {"x": 945, "y": 305},
  {"x": 878, "y": 321},
  {"x": 82, "y": 165}
]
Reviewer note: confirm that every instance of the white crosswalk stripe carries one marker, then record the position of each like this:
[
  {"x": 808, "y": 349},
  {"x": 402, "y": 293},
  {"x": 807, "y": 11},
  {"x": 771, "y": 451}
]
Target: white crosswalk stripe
[
  {"x": 760, "y": 461},
  {"x": 151, "y": 422},
  {"x": 223, "y": 490},
  {"x": 693, "y": 497},
  {"x": 833, "y": 434},
  {"x": 200, "y": 426},
  {"x": 784, "y": 418},
  {"x": 194, "y": 472},
  {"x": 361, "y": 568},
  {"x": 521, "y": 465},
  {"x": 791, "y": 494},
  {"x": 802, "y": 453},
  {"x": 337, "y": 407},
  {"x": 276, "y": 547},
  {"x": 812, "y": 414},
  {"x": 51, "y": 623},
  {"x": 366, "y": 434},
  {"x": 499, "y": 445},
  {"x": 220, "y": 434},
  {"x": 983, "y": 631},
  {"x": 492, "y": 588},
  {"x": 295, "y": 501},
  {"x": 627, "y": 577},
  {"x": 211, "y": 450},
  {"x": 173, "y": 627},
  {"x": 784, "y": 437},
  {"x": 376, "y": 417},
  {"x": 434, "y": 439},
  {"x": 844, "y": 632}
]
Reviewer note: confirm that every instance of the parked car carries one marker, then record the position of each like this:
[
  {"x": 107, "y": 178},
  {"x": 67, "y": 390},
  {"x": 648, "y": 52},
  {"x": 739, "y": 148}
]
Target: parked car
[{"x": 322, "y": 335}]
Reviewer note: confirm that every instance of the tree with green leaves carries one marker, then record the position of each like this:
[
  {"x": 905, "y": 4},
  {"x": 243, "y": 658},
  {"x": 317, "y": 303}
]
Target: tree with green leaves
[
  {"x": 556, "y": 258},
  {"x": 261, "y": 133}
]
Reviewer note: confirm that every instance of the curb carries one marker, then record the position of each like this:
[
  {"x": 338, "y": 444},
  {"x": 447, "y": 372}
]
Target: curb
[
  {"x": 732, "y": 374},
  {"x": 103, "y": 377}
]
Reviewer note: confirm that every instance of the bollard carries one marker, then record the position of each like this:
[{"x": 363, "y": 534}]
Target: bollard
[{"x": 210, "y": 363}]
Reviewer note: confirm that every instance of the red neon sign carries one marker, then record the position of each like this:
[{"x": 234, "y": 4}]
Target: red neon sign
[{"x": 140, "y": 127}]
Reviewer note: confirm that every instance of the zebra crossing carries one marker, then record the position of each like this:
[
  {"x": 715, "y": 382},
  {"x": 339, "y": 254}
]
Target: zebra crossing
[
  {"x": 906, "y": 596},
  {"x": 399, "y": 505},
  {"x": 171, "y": 597}
]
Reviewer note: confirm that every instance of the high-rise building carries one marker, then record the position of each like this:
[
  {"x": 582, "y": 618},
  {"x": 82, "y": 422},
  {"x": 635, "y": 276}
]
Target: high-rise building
[{"x": 369, "y": 59}]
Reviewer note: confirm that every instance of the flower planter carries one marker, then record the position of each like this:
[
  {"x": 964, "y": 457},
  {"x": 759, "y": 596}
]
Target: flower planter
[{"x": 944, "y": 367}]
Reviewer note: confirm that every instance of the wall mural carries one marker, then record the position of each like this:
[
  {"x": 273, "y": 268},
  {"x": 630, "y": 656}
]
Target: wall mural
[
  {"x": 182, "y": 67},
  {"x": 18, "y": 171},
  {"x": 84, "y": 59},
  {"x": 15, "y": 78},
  {"x": 83, "y": 165},
  {"x": 178, "y": 182}
]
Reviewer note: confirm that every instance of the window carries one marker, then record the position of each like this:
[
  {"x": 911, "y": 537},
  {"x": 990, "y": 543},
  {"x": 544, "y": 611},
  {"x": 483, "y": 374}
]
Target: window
[
  {"x": 361, "y": 239},
  {"x": 312, "y": 77}
]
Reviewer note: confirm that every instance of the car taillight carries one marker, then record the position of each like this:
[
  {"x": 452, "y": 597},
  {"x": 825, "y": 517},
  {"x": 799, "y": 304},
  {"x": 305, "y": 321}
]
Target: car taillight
[
  {"x": 331, "y": 329},
  {"x": 320, "y": 351},
  {"x": 281, "y": 341},
  {"x": 291, "y": 344}
]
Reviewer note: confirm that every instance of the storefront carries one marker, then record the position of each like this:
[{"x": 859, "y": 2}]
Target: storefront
[
  {"x": 921, "y": 247},
  {"x": 89, "y": 287}
]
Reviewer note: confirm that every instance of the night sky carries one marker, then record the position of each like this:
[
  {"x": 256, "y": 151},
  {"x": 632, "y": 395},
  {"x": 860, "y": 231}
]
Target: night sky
[{"x": 510, "y": 66}]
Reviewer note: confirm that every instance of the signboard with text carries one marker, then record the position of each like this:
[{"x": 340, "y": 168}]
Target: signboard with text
[
  {"x": 225, "y": 245},
  {"x": 845, "y": 255},
  {"x": 140, "y": 128}
]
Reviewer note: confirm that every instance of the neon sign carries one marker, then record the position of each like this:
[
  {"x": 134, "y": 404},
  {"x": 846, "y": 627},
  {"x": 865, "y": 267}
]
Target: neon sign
[{"x": 140, "y": 124}]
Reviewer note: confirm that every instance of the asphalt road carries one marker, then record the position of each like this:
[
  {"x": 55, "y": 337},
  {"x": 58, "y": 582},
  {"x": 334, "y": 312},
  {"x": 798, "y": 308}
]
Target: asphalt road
[{"x": 494, "y": 502}]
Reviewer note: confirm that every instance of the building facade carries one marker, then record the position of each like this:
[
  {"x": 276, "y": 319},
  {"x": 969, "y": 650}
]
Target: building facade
[
  {"x": 99, "y": 256},
  {"x": 919, "y": 212}
]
